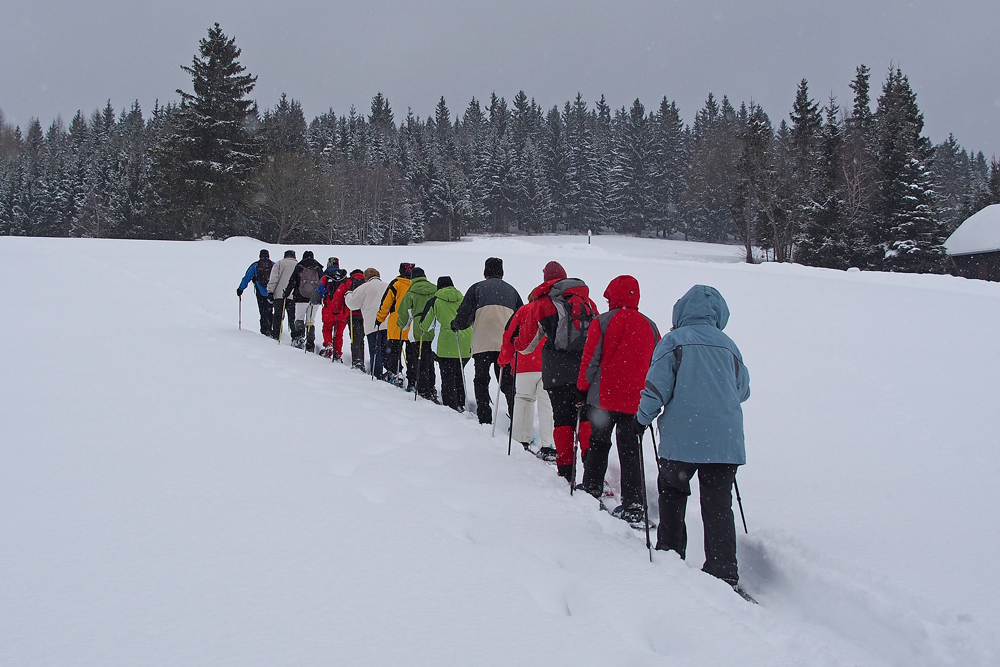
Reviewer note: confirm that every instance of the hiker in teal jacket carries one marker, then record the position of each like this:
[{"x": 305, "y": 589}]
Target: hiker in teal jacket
[
  {"x": 442, "y": 309},
  {"x": 410, "y": 307},
  {"x": 698, "y": 378}
]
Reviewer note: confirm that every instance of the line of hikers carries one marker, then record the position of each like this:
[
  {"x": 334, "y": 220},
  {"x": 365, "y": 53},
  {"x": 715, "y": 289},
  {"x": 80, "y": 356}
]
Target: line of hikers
[{"x": 586, "y": 373}]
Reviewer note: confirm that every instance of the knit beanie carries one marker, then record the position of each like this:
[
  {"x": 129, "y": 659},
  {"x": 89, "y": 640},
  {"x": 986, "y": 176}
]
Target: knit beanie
[
  {"x": 553, "y": 271},
  {"x": 405, "y": 268},
  {"x": 372, "y": 273},
  {"x": 265, "y": 253},
  {"x": 308, "y": 254},
  {"x": 290, "y": 253},
  {"x": 417, "y": 272},
  {"x": 332, "y": 263},
  {"x": 445, "y": 281},
  {"x": 494, "y": 268}
]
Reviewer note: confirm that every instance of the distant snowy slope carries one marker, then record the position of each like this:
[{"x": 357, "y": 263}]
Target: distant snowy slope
[{"x": 176, "y": 491}]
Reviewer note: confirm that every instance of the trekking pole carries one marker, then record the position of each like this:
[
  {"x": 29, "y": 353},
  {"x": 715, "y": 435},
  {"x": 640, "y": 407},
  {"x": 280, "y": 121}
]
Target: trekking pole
[
  {"x": 309, "y": 312},
  {"x": 461, "y": 369},
  {"x": 510, "y": 433},
  {"x": 376, "y": 350},
  {"x": 496, "y": 409},
  {"x": 576, "y": 439},
  {"x": 241, "y": 311},
  {"x": 281, "y": 320},
  {"x": 420, "y": 362},
  {"x": 645, "y": 502},
  {"x": 739, "y": 501}
]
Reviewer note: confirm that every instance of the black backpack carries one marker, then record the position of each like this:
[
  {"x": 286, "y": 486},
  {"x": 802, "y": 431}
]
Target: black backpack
[
  {"x": 264, "y": 271},
  {"x": 308, "y": 281}
]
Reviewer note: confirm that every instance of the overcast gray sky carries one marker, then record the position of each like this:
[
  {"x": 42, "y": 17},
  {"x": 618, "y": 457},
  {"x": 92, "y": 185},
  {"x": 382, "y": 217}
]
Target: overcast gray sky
[{"x": 58, "y": 56}]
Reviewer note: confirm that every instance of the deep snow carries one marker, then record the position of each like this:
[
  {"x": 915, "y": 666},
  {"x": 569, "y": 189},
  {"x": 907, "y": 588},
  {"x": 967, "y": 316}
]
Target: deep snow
[{"x": 176, "y": 491}]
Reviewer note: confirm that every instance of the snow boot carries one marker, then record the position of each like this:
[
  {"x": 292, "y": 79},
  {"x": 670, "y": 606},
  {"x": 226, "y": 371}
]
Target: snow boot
[
  {"x": 566, "y": 472},
  {"x": 327, "y": 351}
]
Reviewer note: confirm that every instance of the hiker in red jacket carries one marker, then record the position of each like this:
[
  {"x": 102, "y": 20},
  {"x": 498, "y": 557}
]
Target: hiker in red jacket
[
  {"x": 528, "y": 390},
  {"x": 561, "y": 313},
  {"x": 332, "y": 287},
  {"x": 613, "y": 373}
]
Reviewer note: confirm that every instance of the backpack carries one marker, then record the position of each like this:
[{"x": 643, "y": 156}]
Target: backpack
[
  {"x": 571, "y": 299},
  {"x": 308, "y": 281},
  {"x": 263, "y": 271}
]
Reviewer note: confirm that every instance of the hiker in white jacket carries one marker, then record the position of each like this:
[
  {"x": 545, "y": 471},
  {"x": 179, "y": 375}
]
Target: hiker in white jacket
[
  {"x": 281, "y": 272},
  {"x": 368, "y": 299}
]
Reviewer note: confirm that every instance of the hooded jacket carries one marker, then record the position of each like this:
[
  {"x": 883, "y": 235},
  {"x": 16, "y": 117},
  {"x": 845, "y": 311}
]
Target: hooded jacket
[
  {"x": 367, "y": 298},
  {"x": 527, "y": 362},
  {"x": 697, "y": 376},
  {"x": 281, "y": 273},
  {"x": 619, "y": 348},
  {"x": 441, "y": 308},
  {"x": 388, "y": 310},
  {"x": 487, "y": 308},
  {"x": 560, "y": 368},
  {"x": 412, "y": 306}
]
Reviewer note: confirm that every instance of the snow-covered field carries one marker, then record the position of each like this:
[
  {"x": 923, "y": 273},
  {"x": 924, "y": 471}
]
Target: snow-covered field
[{"x": 174, "y": 491}]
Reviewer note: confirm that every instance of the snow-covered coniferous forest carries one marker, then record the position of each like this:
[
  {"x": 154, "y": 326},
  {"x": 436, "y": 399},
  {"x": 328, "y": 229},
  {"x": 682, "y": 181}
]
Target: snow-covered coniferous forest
[{"x": 829, "y": 183}]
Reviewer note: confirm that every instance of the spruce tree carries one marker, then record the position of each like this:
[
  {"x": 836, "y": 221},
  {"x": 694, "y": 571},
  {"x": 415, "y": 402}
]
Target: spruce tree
[{"x": 206, "y": 160}]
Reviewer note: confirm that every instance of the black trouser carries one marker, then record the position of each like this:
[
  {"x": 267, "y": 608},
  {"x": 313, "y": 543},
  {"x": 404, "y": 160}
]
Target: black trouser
[
  {"x": 596, "y": 464},
  {"x": 376, "y": 346},
  {"x": 357, "y": 325},
  {"x": 276, "y": 318},
  {"x": 484, "y": 362},
  {"x": 265, "y": 308},
  {"x": 393, "y": 357},
  {"x": 715, "y": 485},
  {"x": 452, "y": 386},
  {"x": 564, "y": 408},
  {"x": 426, "y": 377}
]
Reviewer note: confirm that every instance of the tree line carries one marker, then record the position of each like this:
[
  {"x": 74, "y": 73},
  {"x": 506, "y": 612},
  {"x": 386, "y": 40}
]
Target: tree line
[{"x": 826, "y": 186}]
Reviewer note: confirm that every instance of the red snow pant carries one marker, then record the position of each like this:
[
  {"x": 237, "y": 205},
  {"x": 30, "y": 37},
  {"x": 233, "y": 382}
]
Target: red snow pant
[
  {"x": 333, "y": 329},
  {"x": 564, "y": 414}
]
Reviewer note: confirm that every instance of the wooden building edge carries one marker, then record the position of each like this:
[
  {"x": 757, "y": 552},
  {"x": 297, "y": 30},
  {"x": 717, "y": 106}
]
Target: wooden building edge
[{"x": 979, "y": 265}]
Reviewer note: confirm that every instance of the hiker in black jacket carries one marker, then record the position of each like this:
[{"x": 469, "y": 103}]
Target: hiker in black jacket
[
  {"x": 487, "y": 307},
  {"x": 302, "y": 284}
]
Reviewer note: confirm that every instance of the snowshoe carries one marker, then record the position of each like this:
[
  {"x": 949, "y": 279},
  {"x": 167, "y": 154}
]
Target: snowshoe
[
  {"x": 633, "y": 517},
  {"x": 547, "y": 454},
  {"x": 298, "y": 343},
  {"x": 743, "y": 594},
  {"x": 327, "y": 351}
]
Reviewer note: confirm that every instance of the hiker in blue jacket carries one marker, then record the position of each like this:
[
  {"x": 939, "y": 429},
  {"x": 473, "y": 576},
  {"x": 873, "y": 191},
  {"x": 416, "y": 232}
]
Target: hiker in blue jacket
[
  {"x": 260, "y": 272},
  {"x": 698, "y": 378}
]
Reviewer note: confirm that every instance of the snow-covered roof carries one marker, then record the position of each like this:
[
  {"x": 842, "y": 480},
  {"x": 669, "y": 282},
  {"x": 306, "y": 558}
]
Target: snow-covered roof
[{"x": 979, "y": 233}]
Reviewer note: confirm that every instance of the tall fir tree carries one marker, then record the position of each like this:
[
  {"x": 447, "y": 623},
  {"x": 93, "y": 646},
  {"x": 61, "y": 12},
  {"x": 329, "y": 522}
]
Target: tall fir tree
[{"x": 206, "y": 161}]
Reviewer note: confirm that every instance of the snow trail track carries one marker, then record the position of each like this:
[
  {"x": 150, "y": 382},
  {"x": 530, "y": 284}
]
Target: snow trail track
[{"x": 173, "y": 490}]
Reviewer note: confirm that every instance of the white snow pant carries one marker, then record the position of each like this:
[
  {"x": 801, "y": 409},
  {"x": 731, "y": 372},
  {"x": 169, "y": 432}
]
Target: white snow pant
[
  {"x": 528, "y": 393},
  {"x": 302, "y": 309}
]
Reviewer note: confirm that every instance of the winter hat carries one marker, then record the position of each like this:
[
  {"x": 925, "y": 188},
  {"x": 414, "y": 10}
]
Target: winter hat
[
  {"x": 265, "y": 253},
  {"x": 494, "y": 268},
  {"x": 308, "y": 254},
  {"x": 290, "y": 253},
  {"x": 405, "y": 268},
  {"x": 445, "y": 281},
  {"x": 372, "y": 273},
  {"x": 353, "y": 271},
  {"x": 417, "y": 272},
  {"x": 332, "y": 263},
  {"x": 553, "y": 271}
]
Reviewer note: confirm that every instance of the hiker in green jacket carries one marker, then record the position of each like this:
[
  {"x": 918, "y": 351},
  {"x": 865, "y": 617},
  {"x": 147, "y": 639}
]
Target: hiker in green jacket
[
  {"x": 412, "y": 305},
  {"x": 442, "y": 309}
]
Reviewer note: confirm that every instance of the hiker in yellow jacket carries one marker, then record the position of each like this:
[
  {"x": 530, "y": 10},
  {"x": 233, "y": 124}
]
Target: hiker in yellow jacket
[{"x": 387, "y": 317}]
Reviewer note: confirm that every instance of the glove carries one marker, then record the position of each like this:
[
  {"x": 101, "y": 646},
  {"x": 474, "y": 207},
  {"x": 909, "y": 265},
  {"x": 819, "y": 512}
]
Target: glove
[
  {"x": 270, "y": 298},
  {"x": 239, "y": 292},
  {"x": 637, "y": 427},
  {"x": 315, "y": 298},
  {"x": 452, "y": 326},
  {"x": 581, "y": 397}
]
